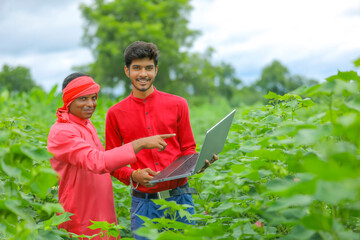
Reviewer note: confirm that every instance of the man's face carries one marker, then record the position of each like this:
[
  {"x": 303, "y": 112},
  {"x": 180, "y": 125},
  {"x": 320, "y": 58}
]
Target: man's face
[
  {"x": 84, "y": 106},
  {"x": 142, "y": 73}
]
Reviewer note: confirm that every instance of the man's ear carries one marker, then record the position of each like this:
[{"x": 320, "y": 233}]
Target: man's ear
[{"x": 127, "y": 71}]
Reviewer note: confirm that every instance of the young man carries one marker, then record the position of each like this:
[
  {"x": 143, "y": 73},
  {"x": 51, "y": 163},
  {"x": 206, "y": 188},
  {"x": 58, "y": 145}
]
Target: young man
[
  {"x": 145, "y": 112},
  {"x": 85, "y": 187}
]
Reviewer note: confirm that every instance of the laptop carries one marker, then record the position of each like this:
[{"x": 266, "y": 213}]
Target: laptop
[{"x": 189, "y": 165}]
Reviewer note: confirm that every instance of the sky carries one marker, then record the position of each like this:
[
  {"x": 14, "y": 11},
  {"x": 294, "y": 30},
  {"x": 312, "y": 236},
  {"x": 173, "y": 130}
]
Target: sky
[{"x": 312, "y": 38}]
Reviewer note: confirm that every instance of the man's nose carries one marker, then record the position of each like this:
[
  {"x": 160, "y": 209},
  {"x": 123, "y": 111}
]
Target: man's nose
[
  {"x": 142, "y": 72},
  {"x": 90, "y": 103}
]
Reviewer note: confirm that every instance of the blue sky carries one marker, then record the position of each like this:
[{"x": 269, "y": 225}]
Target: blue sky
[{"x": 313, "y": 38}]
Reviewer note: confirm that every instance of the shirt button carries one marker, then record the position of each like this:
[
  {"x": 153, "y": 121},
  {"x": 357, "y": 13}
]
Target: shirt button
[
  {"x": 157, "y": 163},
  {"x": 146, "y": 113},
  {"x": 144, "y": 100},
  {"x": 148, "y": 127}
]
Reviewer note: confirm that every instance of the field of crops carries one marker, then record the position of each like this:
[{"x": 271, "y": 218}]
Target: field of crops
[{"x": 290, "y": 169}]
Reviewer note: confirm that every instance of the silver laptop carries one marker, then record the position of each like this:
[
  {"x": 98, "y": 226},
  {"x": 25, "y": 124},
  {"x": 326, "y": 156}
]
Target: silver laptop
[{"x": 189, "y": 165}]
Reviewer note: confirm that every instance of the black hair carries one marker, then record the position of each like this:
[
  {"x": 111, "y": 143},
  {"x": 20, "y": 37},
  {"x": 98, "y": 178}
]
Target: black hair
[
  {"x": 139, "y": 50},
  {"x": 71, "y": 77}
]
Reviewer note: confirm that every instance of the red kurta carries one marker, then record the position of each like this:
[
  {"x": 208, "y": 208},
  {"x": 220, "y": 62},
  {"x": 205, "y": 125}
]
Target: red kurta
[
  {"x": 85, "y": 187},
  {"x": 159, "y": 113}
]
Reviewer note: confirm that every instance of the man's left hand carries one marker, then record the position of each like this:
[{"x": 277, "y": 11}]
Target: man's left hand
[{"x": 208, "y": 163}]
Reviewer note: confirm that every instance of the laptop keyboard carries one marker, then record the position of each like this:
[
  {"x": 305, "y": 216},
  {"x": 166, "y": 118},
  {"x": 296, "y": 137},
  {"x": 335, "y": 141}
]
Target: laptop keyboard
[{"x": 188, "y": 164}]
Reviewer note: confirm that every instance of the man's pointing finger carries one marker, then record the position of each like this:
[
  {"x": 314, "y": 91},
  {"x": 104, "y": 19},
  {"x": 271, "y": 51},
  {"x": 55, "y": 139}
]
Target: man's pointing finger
[{"x": 163, "y": 136}]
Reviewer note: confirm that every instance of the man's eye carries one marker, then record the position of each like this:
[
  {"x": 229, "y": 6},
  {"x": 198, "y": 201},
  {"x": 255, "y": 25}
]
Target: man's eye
[
  {"x": 149, "y": 68},
  {"x": 136, "y": 67}
]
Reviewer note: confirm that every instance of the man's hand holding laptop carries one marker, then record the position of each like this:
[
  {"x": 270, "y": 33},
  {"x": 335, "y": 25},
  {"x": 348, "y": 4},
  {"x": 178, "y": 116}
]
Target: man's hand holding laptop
[
  {"x": 208, "y": 163},
  {"x": 143, "y": 176}
]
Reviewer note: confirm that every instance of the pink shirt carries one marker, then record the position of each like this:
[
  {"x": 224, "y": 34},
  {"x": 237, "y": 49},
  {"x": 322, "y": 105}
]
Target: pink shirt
[{"x": 85, "y": 186}]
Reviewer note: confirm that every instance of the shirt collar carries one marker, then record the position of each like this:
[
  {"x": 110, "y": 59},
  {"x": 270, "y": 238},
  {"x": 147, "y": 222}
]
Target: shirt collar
[
  {"x": 151, "y": 96},
  {"x": 78, "y": 120}
]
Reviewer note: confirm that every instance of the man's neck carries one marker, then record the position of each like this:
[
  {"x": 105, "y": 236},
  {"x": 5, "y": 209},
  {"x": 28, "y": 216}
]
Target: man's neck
[{"x": 141, "y": 94}]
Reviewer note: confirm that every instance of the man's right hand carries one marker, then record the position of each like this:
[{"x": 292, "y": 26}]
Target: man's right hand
[
  {"x": 156, "y": 141},
  {"x": 143, "y": 176}
]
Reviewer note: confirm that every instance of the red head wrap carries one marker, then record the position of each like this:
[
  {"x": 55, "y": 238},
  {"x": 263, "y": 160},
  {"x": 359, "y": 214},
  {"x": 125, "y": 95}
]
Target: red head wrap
[{"x": 78, "y": 87}]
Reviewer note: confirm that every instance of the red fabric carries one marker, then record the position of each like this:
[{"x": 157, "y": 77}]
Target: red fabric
[
  {"x": 78, "y": 87},
  {"x": 159, "y": 113},
  {"x": 85, "y": 186}
]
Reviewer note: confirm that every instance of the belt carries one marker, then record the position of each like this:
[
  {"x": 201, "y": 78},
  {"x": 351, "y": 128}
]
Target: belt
[{"x": 185, "y": 189}]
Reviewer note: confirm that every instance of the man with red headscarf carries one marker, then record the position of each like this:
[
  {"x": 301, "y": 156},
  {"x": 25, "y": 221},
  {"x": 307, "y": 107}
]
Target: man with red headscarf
[{"x": 84, "y": 167}]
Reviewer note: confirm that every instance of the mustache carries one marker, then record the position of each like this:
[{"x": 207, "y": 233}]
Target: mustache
[{"x": 143, "y": 78}]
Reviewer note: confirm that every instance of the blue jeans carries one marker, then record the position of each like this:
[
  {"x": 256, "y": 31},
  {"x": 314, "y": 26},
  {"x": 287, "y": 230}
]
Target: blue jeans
[{"x": 146, "y": 207}]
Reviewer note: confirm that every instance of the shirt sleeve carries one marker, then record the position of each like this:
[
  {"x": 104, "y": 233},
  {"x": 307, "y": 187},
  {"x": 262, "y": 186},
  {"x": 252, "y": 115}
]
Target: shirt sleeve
[
  {"x": 185, "y": 134},
  {"x": 69, "y": 147},
  {"x": 123, "y": 174},
  {"x": 113, "y": 139}
]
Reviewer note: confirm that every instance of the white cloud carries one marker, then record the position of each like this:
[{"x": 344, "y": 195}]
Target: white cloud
[
  {"x": 311, "y": 38},
  {"x": 44, "y": 36},
  {"x": 250, "y": 34},
  {"x": 50, "y": 68}
]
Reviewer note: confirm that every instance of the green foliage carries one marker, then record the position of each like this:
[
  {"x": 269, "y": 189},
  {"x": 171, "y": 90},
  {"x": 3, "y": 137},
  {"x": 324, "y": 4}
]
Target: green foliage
[
  {"x": 294, "y": 165},
  {"x": 28, "y": 184},
  {"x": 290, "y": 169},
  {"x": 16, "y": 79},
  {"x": 276, "y": 78},
  {"x": 113, "y": 25}
]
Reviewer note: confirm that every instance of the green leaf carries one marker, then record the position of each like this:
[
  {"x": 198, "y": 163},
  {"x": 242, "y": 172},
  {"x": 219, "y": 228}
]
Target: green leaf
[
  {"x": 4, "y": 136},
  {"x": 16, "y": 207},
  {"x": 35, "y": 153},
  {"x": 345, "y": 190},
  {"x": 354, "y": 104},
  {"x": 345, "y": 76},
  {"x": 103, "y": 225},
  {"x": 326, "y": 88},
  {"x": 4, "y": 96},
  {"x": 348, "y": 119},
  {"x": 10, "y": 170},
  {"x": 249, "y": 146},
  {"x": 150, "y": 233},
  {"x": 290, "y": 97},
  {"x": 312, "y": 136},
  {"x": 46, "y": 235},
  {"x": 237, "y": 168},
  {"x": 250, "y": 174},
  {"x": 317, "y": 221},
  {"x": 51, "y": 208},
  {"x": 269, "y": 154},
  {"x": 299, "y": 232},
  {"x": 43, "y": 180},
  {"x": 58, "y": 219},
  {"x": 273, "y": 119},
  {"x": 296, "y": 200},
  {"x": 330, "y": 171},
  {"x": 3, "y": 151},
  {"x": 357, "y": 62},
  {"x": 306, "y": 103},
  {"x": 272, "y": 95}
]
